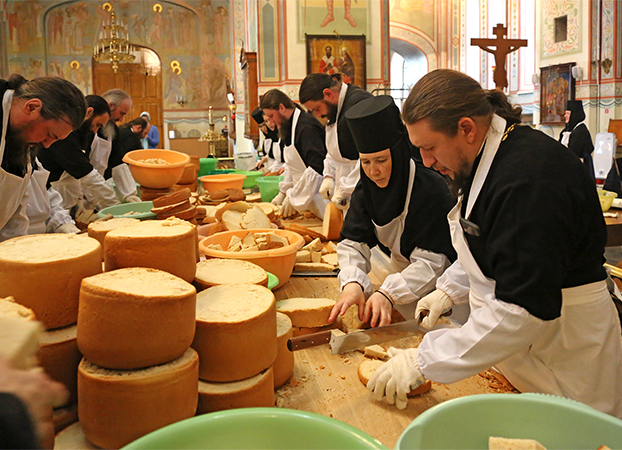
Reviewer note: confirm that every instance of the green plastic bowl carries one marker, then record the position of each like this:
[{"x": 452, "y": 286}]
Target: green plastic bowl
[
  {"x": 468, "y": 422},
  {"x": 251, "y": 177},
  {"x": 220, "y": 171},
  {"x": 143, "y": 208},
  {"x": 273, "y": 281},
  {"x": 257, "y": 428},
  {"x": 269, "y": 187},
  {"x": 206, "y": 165}
]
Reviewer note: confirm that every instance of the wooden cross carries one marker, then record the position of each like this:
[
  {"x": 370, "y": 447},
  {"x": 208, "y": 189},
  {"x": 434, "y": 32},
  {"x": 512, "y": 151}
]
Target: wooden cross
[{"x": 502, "y": 48}]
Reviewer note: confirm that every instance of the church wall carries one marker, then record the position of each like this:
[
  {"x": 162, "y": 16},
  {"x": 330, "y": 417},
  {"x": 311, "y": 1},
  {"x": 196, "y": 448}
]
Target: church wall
[{"x": 56, "y": 38}]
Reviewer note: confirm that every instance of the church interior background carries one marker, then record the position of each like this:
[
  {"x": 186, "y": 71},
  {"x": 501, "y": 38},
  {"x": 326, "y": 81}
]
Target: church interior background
[{"x": 190, "y": 51}]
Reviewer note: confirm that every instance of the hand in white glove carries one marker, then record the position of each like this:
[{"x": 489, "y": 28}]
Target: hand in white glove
[
  {"x": 436, "y": 303},
  {"x": 327, "y": 188},
  {"x": 67, "y": 228},
  {"x": 397, "y": 377},
  {"x": 132, "y": 199},
  {"x": 278, "y": 199},
  {"x": 341, "y": 200},
  {"x": 287, "y": 209}
]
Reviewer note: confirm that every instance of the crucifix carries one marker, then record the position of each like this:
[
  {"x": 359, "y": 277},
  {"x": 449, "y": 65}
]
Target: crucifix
[{"x": 502, "y": 48}]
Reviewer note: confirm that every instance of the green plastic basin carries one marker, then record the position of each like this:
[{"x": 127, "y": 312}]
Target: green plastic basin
[
  {"x": 273, "y": 281},
  {"x": 269, "y": 187},
  {"x": 251, "y": 177},
  {"x": 468, "y": 422},
  {"x": 143, "y": 210},
  {"x": 206, "y": 165},
  {"x": 258, "y": 428}
]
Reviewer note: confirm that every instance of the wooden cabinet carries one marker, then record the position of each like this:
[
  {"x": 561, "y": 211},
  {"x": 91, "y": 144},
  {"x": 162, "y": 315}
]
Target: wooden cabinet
[{"x": 248, "y": 64}]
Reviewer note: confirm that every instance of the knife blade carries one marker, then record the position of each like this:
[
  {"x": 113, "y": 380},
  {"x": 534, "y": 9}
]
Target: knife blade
[{"x": 341, "y": 343}]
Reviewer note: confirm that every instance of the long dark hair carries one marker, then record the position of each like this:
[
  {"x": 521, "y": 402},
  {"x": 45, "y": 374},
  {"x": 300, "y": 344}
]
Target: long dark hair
[
  {"x": 99, "y": 105},
  {"x": 274, "y": 97},
  {"x": 445, "y": 96},
  {"x": 61, "y": 99},
  {"x": 313, "y": 86}
]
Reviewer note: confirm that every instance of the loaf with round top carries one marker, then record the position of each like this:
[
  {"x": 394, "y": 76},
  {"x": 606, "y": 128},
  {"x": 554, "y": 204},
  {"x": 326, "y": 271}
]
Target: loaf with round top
[
  {"x": 117, "y": 407},
  {"x": 217, "y": 271},
  {"x": 9, "y": 307},
  {"x": 59, "y": 357},
  {"x": 253, "y": 392},
  {"x": 235, "y": 332},
  {"x": 135, "y": 317},
  {"x": 43, "y": 272},
  {"x": 99, "y": 230},
  {"x": 168, "y": 245},
  {"x": 306, "y": 312},
  {"x": 284, "y": 363}
]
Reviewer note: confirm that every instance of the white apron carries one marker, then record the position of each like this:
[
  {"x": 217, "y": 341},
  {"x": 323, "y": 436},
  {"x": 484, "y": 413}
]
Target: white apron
[
  {"x": 12, "y": 187},
  {"x": 345, "y": 175},
  {"x": 576, "y": 355},
  {"x": 69, "y": 189},
  {"x": 303, "y": 195},
  {"x": 390, "y": 236},
  {"x": 38, "y": 209},
  {"x": 100, "y": 152}
]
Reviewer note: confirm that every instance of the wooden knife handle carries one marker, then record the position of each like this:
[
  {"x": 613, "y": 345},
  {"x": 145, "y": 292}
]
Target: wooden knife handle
[
  {"x": 308, "y": 340},
  {"x": 425, "y": 313}
]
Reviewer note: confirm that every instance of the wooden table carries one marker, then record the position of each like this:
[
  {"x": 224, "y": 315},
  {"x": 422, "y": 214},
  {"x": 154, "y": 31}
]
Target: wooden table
[{"x": 328, "y": 384}]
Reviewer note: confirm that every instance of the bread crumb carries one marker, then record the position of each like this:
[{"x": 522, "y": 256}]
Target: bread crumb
[{"x": 342, "y": 377}]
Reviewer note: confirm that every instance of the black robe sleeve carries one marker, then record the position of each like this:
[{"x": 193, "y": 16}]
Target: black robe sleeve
[
  {"x": 65, "y": 156},
  {"x": 358, "y": 225},
  {"x": 16, "y": 428},
  {"x": 310, "y": 142}
]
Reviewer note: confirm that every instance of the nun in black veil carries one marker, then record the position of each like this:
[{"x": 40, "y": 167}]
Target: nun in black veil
[
  {"x": 576, "y": 136},
  {"x": 398, "y": 204}
]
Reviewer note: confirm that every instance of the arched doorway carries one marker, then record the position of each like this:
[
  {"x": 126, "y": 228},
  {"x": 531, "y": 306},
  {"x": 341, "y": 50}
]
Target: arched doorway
[
  {"x": 141, "y": 79},
  {"x": 408, "y": 65}
]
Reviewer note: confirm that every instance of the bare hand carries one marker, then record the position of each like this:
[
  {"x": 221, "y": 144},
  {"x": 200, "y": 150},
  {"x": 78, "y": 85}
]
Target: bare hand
[
  {"x": 379, "y": 308},
  {"x": 352, "y": 294},
  {"x": 39, "y": 393}
]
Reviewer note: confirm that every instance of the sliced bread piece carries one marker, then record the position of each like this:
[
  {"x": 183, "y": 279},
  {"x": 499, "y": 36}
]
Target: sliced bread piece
[
  {"x": 333, "y": 221},
  {"x": 368, "y": 367},
  {"x": 313, "y": 267},
  {"x": 255, "y": 218},
  {"x": 217, "y": 271},
  {"x": 306, "y": 312}
]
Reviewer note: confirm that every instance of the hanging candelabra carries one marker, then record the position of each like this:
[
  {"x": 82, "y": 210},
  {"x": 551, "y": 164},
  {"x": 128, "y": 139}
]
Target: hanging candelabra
[{"x": 113, "y": 45}]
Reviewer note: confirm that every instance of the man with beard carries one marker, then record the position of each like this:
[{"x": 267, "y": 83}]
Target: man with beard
[
  {"x": 132, "y": 133},
  {"x": 106, "y": 151},
  {"x": 529, "y": 233},
  {"x": 71, "y": 172},
  {"x": 34, "y": 114},
  {"x": 304, "y": 150},
  {"x": 328, "y": 98},
  {"x": 272, "y": 160}
]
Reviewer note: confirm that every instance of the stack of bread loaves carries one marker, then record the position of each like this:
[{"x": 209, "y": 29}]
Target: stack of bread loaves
[
  {"x": 189, "y": 179},
  {"x": 175, "y": 205},
  {"x": 236, "y": 339},
  {"x": 150, "y": 194},
  {"x": 138, "y": 374},
  {"x": 42, "y": 273}
]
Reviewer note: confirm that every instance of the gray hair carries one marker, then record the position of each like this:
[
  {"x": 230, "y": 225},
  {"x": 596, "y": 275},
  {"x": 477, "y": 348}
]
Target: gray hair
[
  {"x": 116, "y": 96},
  {"x": 61, "y": 99}
]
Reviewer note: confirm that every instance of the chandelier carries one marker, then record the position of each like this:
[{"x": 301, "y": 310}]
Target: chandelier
[{"x": 113, "y": 45}]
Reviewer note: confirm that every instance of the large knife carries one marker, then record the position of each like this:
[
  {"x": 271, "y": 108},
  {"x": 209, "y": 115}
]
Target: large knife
[{"x": 341, "y": 343}]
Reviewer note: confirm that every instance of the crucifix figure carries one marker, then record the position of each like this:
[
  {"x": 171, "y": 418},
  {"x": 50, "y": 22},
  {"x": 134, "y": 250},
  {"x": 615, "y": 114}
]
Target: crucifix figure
[{"x": 502, "y": 48}]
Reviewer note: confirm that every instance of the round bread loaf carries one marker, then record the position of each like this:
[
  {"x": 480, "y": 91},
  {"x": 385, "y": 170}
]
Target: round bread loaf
[
  {"x": 117, "y": 407},
  {"x": 59, "y": 356},
  {"x": 284, "y": 363},
  {"x": 236, "y": 332},
  {"x": 135, "y": 317},
  {"x": 254, "y": 392},
  {"x": 71, "y": 438},
  {"x": 9, "y": 307},
  {"x": 99, "y": 230},
  {"x": 217, "y": 271},
  {"x": 43, "y": 272},
  {"x": 168, "y": 245},
  {"x": 307, "y": 312}
]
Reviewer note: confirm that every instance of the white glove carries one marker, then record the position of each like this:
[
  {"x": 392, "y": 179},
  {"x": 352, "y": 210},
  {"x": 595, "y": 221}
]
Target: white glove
[
  {"x": 327, "y": 188},
  {"x": 67, "y": 228},
  {"x": 341, "y": 200},
  {"x": 395, "y": 379},
  {"x": 435, "y": 303},
  {"x": 278, "y": 199},
  {"x": 287, "y": 209},
  {"x": 132, "y": 199}
]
